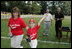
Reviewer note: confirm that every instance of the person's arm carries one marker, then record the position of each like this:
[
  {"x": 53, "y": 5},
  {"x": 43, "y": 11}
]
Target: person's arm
[
  {"x": 55, "y": 16},
  {"x": 10, "y": 34},
  {"x": 56, "y": 19},
  {"x": 51, "y": 19},
  {"x": 62, "y": 17},
  {"x": 27, "y": 28},
  {"x": 41, "y": 20}
]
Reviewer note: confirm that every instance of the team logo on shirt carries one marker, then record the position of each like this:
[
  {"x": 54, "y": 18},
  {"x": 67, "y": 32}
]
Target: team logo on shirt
[
  {"x": 33, "y": 35},
  {"x": 13, "y": 26}
]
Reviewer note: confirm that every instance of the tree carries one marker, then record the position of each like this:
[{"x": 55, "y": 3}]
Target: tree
[
  {"x": 43, "y": 5},
  {"x": 67, "y": 7},
  {"x": 36, "y": 8}
]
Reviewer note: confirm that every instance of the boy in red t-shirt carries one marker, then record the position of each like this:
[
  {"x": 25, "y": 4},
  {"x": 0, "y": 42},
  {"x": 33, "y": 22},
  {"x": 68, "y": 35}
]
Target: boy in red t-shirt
[{"x": 32, "y": 32}]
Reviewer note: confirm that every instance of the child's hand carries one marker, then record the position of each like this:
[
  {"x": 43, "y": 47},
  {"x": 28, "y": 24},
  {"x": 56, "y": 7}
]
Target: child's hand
[
  {"x": 10, "y": 34},
  {"x": 27, "y": 28},
  {"x": 28, "y": 40},
  {"x": 58, "y": 19}
]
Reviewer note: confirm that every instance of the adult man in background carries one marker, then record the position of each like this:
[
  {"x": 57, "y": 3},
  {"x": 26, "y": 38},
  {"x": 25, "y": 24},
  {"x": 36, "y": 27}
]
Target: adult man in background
[
  {"x": 47, "y": 22},
  {"x": 58, "y": 22}
]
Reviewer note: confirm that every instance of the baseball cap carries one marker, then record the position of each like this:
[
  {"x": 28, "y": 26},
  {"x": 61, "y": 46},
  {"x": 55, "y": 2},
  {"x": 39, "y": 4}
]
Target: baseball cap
[{"x": 31, "y": 20}]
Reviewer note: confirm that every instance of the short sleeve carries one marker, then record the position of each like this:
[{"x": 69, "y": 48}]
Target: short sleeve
[
  {"x": 55, "y": 15},
  {"x": 62, "y": 15},
  {"x": 23, "y": 24},
  {"x": 51, "y": 16}
]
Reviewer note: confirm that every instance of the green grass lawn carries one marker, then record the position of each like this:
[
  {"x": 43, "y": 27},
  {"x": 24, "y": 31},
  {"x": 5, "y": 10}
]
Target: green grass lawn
[{"x": 5, "y": 43}]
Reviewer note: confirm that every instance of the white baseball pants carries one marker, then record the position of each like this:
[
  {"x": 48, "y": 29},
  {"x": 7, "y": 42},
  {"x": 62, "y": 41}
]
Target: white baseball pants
[
  {"x": 16, "y": 41},
  {"x": 33, "y": 43}
]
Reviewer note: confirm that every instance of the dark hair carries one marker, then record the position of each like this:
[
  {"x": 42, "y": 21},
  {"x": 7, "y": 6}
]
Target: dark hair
[{"x": 15, "y": 9}]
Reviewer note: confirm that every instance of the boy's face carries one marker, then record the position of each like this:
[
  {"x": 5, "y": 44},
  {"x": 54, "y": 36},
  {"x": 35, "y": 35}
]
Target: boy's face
[{"x": 31, "y": 24}]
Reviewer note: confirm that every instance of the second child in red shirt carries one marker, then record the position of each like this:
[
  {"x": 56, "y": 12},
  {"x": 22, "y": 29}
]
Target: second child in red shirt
[{"x": 32, "y": 32}]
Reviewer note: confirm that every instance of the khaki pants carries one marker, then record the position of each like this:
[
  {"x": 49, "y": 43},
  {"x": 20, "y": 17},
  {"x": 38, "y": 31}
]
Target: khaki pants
[{"x": 47, "y": 27}]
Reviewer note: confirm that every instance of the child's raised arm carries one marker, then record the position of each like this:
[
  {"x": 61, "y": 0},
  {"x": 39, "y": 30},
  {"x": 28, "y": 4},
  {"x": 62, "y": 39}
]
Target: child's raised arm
[{"x": 41, "y": 20}]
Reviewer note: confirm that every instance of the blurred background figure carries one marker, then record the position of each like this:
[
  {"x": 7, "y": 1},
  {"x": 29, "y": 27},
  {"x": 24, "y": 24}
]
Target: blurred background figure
[
  {"x": 59, "y": 16},
  {"x": 47, "y": 22}
]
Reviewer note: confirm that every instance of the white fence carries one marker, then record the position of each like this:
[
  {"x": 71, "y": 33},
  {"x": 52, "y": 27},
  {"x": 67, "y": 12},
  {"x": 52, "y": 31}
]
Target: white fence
[{"x": 7, "y": 16}]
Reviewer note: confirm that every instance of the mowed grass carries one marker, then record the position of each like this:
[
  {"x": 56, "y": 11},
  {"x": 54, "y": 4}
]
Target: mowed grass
[{"x": 5, "y": 43}]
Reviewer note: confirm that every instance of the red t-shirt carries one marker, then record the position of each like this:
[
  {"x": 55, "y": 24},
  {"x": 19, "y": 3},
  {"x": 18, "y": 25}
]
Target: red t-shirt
[
  {"x": 32, "y": 32},
  {"x": 16, "y": 26}
]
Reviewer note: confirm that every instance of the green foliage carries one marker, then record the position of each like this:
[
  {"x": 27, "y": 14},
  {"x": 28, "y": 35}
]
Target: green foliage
[{"x": 32, "y": 7}]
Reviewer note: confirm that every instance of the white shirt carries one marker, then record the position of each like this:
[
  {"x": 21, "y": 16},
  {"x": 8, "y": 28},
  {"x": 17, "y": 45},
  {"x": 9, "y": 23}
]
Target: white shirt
[{"x": 48, "y": 17}]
